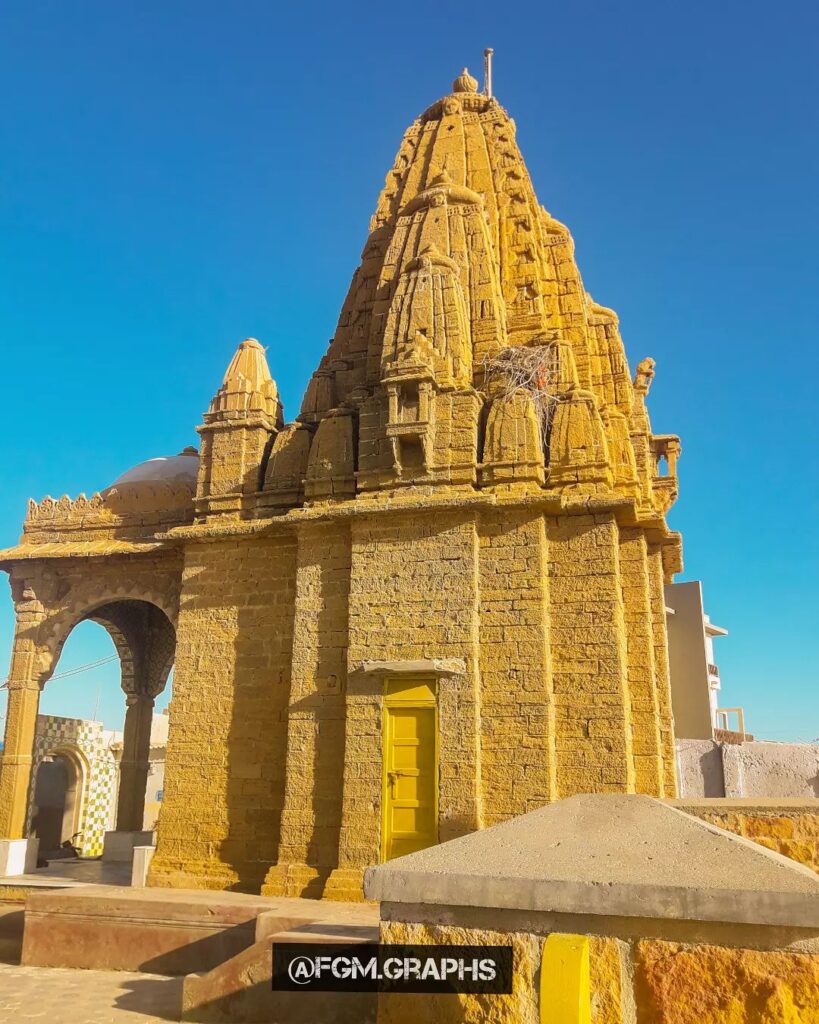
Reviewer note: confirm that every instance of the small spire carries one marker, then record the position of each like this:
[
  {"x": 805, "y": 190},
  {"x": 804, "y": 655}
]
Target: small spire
[
  {"x": 249, "y": 362},
  {"x": 487, "y": 72},
  {"x": 247, "y": 386},
  {"x": 465, "y": 82}
]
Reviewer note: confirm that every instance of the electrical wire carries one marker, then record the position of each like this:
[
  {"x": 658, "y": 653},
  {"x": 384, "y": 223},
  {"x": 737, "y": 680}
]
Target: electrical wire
[
  {"x": 80, "y": 668},
  {"x": 86, "y": 668}
]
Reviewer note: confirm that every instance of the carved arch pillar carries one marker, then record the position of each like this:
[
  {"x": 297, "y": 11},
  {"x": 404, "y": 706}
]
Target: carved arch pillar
[
  {"x": 136, "y": 603},
  {"x": 135, "y": 763},
  {"x": 25, "y": 674},
  {"x": 146, "y": 643}
]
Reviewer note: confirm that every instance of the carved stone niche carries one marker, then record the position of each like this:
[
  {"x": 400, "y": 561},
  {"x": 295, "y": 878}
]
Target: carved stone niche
[
  {"x": 287, "y": 467},
  {"x": 409, "y": 426},
  {"x": 665, "y": 450}
]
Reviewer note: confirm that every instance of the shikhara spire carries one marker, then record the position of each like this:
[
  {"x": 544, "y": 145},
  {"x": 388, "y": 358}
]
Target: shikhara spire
[{"x": 464, "y": 263}]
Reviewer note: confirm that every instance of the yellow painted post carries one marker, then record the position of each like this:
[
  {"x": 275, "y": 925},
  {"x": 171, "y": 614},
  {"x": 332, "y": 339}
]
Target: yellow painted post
[{"x": 565, "y": 993}]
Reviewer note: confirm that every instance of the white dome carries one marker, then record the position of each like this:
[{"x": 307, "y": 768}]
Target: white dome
[{"x": 169, "y": 469}]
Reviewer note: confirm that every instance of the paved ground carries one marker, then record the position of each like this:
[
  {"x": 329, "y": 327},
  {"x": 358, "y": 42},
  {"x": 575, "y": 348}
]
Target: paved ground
[
  {"x": 53, "y": 995},
  {"x": 76, "y": 871}
]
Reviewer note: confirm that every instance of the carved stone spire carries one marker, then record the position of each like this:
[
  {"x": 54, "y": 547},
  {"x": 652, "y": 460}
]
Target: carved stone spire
[
  {"x": 247, "y": 387},
  {"x": 429, "y": 303},
  {"x": 579, "y": 458},
  {"x": 240, "y": 424},
  {"x": 462, "y": 264}
]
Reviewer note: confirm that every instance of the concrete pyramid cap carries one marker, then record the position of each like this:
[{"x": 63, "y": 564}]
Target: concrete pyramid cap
[{"x": 610, "y": 854}]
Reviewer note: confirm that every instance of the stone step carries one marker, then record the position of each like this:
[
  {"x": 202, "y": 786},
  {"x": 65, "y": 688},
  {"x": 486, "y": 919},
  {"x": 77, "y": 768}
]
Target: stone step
[
  {"x": 239, "y": 990},
  {"x": 161, "y": 931}
]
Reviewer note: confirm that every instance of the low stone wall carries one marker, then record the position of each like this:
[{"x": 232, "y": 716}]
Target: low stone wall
[
  {"x": 619, "y": 910},
  {"x": 632, "y": 980},
  {"x": 790, "y": 827},
  {"x": 749, "y": 769}
]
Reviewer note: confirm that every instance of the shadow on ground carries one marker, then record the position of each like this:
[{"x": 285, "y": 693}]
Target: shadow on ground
[{"x": 152, "y": 996}]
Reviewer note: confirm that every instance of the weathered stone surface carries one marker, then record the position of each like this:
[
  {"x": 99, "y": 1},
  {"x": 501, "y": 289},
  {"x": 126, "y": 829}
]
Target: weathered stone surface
[
  {"x": 711, "y": 985},
  {"x": 606, "y": 969},
  {"x": 788, "y": 826},
  {"x": 518, "y": 1008}
]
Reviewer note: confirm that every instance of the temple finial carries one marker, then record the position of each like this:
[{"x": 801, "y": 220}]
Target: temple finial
[
  {"x": 487, "y": 72},
  {"x": 465, "y": 82}
]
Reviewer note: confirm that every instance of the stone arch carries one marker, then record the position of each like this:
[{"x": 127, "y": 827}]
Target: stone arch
[
  {"x": 69, "y": 814},
  {"x": 145, "y": 640},
  {"x": 51, "y": 596},
  {"x": 89, "y": 602}
]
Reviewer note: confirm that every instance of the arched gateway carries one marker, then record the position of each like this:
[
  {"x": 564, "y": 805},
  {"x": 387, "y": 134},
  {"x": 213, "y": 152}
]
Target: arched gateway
[
  {"x": 431, "y": 602},
  {"x": 96, "y": 559}
]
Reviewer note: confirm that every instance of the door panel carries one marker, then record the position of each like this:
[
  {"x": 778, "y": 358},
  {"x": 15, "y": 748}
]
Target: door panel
[{"x": 410, "y": 798}]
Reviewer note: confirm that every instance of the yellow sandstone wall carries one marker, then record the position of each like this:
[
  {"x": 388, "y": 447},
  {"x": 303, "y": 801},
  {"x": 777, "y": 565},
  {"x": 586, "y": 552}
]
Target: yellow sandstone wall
[
  {"x": 275, "y": 756},
  {"x": 642, "y": 678},
  {"x": 518, "y": 1008},
  {"x": 219, "y": 823},
  {"x": 793, "y": 832},
  {"x": 517, "y": 703},
  {"x": 414, "y": 595},
  {"x": 588, "y": 653},
  {"x": 314, "y": 713},
  {"x": 631, "y": 982},
  {"x": 522, "y": 1006},
  {"x": 659, "y": 630},
  {"x": 677, "y": 984}
]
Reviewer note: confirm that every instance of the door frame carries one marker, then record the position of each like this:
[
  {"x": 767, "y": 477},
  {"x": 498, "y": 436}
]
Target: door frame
[{"x": 392, "y": 698}]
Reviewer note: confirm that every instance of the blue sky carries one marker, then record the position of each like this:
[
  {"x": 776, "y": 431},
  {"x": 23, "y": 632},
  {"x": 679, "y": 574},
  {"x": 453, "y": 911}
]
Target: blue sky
[{"x": 177, "y": 176}]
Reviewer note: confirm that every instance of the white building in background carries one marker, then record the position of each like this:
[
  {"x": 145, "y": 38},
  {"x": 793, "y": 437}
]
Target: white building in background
[
  {"x": 715, "y": 756},
  {"x": 695, "y": 681},
  {"x": 75, "y": 782}
]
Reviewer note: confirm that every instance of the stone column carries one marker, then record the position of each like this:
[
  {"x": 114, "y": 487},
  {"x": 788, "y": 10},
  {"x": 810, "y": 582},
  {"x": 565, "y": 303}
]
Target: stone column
[
  {"x": 21, "y": 722},
  {"x": 311, "y": 816},
  {"x": 642, "y": 675},
  {"x": 593, "y": 737},
  {"x": 133, "y": 769},
  {"x": 661, "y": 669}
]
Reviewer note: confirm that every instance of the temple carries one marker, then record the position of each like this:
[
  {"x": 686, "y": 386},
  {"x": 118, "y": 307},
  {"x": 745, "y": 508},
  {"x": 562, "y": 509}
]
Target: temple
[{"x": 431, "y": 602}]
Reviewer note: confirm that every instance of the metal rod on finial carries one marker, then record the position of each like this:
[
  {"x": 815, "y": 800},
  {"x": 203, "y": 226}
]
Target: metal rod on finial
[{"x": 487, "y": 72}]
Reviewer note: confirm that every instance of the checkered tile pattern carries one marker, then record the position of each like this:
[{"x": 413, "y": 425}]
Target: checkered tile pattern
[{"x": 100, "y": 781}]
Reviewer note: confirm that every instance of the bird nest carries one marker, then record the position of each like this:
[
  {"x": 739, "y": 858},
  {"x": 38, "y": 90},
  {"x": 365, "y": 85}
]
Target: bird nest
[{"x": 530, "y": 370}]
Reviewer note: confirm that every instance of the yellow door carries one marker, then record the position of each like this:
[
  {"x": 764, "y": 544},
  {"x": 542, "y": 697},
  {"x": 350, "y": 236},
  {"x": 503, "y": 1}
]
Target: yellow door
[{"x": 410, "y": 782}]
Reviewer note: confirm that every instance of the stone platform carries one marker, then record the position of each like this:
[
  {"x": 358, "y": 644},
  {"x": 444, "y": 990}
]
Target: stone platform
[
  {"x": 68, "y": 873},
  {"x": 221, "y": 940},
  {"x": 163, "y": 931}
]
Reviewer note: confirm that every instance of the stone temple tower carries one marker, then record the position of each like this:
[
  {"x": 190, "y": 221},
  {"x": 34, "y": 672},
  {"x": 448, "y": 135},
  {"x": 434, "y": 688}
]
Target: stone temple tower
[{"x": 434, "y": 599}]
